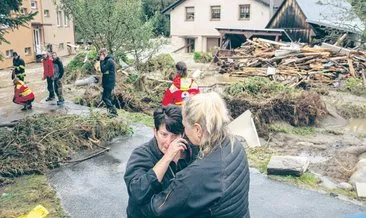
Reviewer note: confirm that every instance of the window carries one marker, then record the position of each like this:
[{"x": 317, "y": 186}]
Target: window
[
  {"x": 59, "y": 18},
  {"x": 190, "y": 45},
  {"x": 244, "y": 12},
  {"x": 66, "y": 20},
  {"x": 61, "y": 46},
  {"x": 33, "y": 4},
  {"x": 24, "y": 11},
  {"x": 46, "y": 13},
  {"x": 215, "y": 12},
  {"x": 189, "y": 13},
  {"x": 27, "y": 51},
  {"x": 9, "y": 53}
]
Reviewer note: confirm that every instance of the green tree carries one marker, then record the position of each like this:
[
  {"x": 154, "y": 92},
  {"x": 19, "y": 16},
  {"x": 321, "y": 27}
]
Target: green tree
[
  {"x": 359, "y": 6},
  {"x": 152, "y": 10},
  {"x": 11, "y": 18}
]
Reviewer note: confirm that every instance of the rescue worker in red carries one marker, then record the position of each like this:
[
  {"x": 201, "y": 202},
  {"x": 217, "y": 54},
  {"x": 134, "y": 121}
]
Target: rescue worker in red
[
  {"x": 182, "y": 87},
  {"x": 22, "y": 94},
  {"x": 48, "y": 74}
]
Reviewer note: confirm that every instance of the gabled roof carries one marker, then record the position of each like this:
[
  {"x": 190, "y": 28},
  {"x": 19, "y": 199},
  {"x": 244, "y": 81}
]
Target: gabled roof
[
  {"x": 337, "y": 14},
  {"x": 175, "y": 4}
]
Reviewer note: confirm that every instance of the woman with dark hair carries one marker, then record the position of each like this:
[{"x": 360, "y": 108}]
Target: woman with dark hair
[
  {"x": 153, "y": 165},
  {"x": 182, "y": 87}
]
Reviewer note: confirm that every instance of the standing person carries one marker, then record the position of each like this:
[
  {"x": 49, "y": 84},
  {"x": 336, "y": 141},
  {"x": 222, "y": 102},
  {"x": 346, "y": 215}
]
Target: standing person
[
  {"x": 58, "y": 73},
  {"x": 182, "y": 87},
  {"x": 19, "y": 67},
  {"x": 216, "y": 184},
  {"x": 150, "y": 168},
  {"x": 48, "y": 73},
  {"x": 108, "y": 68},
  {"x": 22, "y": 94}
]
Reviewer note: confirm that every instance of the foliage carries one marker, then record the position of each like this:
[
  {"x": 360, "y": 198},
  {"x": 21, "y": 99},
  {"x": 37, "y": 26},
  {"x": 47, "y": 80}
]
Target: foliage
[
  {"x": 111, "y": 24},
  {"x": 152, "y": 10},
  {"x": 11, "y": 17},
  {"x": 26, "y": 193},
  {"x": 159, "y": 63},
  {"x": 259, "y": 158},
  {"x": 307, "y": 180},
  {"x": 257, "y": 87},
  {"x": 202, "y": 57},
  {"x": 303, "y": 131},
  {"x": 354, "y": 86},
  {"x": 45, "y": 141}
]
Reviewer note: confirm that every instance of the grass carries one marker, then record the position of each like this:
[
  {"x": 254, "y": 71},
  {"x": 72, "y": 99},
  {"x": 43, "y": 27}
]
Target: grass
[
  {"x": 285, "y": 128},
  {"x": 307, "y": 180},
  {"x": 137, "y": 117},
  {"x": 259, "y": 158},
  {"x": 26, "y": 193},
  {"x": 354, "y": 86}
]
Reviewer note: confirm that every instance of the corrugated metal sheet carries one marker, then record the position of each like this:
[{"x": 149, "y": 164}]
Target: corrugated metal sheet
[{"x": 337, "y": 14}]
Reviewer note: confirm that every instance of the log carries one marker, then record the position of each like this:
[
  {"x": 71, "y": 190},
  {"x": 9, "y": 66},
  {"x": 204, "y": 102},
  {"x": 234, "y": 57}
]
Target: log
[
  {"x": 341, "y": 39},
  {"x": 351, "y": 68},
  {"x": 336, "y": 49},
  {"x": 272, "y": 42}
]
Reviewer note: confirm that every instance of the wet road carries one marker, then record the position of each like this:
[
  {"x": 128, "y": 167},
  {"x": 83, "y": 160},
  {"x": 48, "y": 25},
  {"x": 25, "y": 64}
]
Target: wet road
[{"x": 95, "y": 188}]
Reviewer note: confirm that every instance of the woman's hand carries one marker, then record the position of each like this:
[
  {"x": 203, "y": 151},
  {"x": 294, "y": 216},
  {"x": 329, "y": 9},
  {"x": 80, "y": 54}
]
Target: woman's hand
[{"x": 175, "y": 149}]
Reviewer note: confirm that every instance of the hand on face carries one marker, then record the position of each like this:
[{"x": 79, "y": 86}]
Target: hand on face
[{"x": 175, "y": 149}]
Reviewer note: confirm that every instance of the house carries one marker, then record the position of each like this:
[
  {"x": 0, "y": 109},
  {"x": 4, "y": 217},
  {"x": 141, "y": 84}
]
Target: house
[
  {"x": 51, "y": 30},
  {"x": 194, "y": 23},
  {"x": 306, "y": 20}
]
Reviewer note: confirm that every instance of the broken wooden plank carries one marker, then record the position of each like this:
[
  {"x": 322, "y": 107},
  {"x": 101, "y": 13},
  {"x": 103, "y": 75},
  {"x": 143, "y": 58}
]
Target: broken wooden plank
[
  {"x": 272, "y": 42},
  {"x": 336, "y": 49},
  {"x": 351, "y": 68}
]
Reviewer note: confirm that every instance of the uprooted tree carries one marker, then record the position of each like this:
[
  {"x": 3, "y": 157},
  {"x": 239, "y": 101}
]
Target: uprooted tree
[
  {"x": 11, "y": 17},
  {"x": 114, "y": 24}
]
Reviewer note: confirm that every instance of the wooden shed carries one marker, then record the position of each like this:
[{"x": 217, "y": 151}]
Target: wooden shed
[{"x": 305, "y": 20}]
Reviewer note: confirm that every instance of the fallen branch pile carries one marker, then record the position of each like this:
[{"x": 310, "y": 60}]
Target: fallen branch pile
[
  {"x": 43, "y": 141},
  {"x": 292, "y": 64}
]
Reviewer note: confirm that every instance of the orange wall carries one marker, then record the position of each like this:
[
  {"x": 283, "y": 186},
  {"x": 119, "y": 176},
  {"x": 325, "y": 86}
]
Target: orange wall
[{"x": 19, "y": 39}]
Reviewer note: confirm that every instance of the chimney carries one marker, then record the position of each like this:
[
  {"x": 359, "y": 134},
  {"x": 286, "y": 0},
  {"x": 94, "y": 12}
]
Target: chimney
[{"x": 271, "y": 5}]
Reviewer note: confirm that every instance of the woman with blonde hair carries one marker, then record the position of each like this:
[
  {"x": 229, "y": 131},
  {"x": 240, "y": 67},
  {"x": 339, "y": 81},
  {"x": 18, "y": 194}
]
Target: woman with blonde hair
[{"x": 217, "y": 183}]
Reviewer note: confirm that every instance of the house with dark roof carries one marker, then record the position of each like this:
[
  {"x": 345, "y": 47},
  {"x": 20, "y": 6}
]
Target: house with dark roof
[
  {"x": 306, "y": 20},
  {"x": 194, "y": 23}
]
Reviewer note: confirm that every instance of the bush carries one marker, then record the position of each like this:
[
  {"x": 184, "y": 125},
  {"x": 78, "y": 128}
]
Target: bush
[
  {"x": 257, "y": 87},
  {"x": 354, "y": 86},
  {"x": 202, "y": 57}
]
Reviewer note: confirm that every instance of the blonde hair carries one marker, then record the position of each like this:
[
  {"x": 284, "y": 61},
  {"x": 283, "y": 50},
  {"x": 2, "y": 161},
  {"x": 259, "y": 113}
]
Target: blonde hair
[{"x": 210, "y": 112}]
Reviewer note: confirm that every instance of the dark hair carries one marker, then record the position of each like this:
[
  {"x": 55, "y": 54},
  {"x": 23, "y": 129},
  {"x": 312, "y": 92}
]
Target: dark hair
[
  {"x": 15, "y": 54},
  {"x": 171, "y": 117},
  {"x": 181, "y": 68}
]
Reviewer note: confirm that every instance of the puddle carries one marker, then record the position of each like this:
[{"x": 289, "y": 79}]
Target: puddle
[{"x": 357, "y": 126}]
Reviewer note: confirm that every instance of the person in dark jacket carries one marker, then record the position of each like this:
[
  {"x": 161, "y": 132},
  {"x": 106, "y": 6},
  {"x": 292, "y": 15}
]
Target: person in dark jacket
[
  {"x": 216, "y": 184},
  {"x": 154, "y": 165},
  {"x": 108, "y": 68},
  {"x": 58, "y": 70},
  {"x": 19, "y": 67}
]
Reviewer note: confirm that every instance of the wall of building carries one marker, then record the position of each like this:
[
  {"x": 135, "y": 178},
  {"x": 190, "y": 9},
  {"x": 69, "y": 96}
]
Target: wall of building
[
  {"x": 57, "y": 35},
  {"x": 19, "y": 39},
  {"x": 203, "y": 27}
]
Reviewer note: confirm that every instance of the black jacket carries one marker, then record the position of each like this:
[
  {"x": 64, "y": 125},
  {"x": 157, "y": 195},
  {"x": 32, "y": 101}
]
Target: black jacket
[
  {"x": 108, "y": 68},
  {"x": 215, "y": 186},
  {"x": 141, "y": 180},
  {"x": 19, "y": 65},
  {"x": 58, "y": 68}
]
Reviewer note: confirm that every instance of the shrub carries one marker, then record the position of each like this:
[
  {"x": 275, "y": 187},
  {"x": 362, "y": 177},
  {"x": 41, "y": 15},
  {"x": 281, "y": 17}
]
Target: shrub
[{"x": 202, "y": 57}]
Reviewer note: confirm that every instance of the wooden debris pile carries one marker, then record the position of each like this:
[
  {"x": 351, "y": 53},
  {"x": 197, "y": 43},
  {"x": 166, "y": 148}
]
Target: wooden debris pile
[{"x": 293, "y": 64}]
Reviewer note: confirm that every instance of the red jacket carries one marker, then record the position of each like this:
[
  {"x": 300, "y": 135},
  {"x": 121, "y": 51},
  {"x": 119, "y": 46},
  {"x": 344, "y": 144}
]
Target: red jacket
[
  {"x": 22, "y": 93},
  {"x": 48, "y": 67},
  {"x": 180, "y": 91}
]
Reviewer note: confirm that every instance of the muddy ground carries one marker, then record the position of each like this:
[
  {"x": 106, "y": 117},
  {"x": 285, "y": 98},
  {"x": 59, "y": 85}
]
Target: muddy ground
[{"x": 333, "y": 148}]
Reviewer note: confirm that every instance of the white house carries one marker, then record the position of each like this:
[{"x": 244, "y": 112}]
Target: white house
[{"x": 193, "y": 23}]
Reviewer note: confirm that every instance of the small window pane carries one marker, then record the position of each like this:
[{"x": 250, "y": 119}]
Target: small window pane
[
  {"x": 244, "y": 11},
  {"x": 190, "y": 13},
  {"x": 215, "y": 12}
]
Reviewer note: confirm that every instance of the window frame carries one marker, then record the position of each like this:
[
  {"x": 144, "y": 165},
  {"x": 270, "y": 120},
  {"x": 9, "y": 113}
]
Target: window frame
[
  {"x": 33, "y": 4},
  {"x": 11, "y": 51},
  {"x": 46, "y": 14},
  {"x": 61, "y": 46},
  {"x": 244, "y": 6},
  {"x": 190, "y": 7},
  {"x": 59, "y": 18},
  {"x": 66, "y": 20},
  {"x": 28, "y": 53},
  {"x": 24, "y": 11},
  {"x": 211, "y": 12}
]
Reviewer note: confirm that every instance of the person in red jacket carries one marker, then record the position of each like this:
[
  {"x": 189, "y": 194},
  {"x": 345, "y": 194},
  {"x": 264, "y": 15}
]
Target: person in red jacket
[
  {"x": 182, "y": 87},
  {"x": 22, "y": 94},
  {"x": 48, "y": 74}
]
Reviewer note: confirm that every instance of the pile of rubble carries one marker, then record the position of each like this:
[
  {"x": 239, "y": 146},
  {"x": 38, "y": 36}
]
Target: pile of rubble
[{"x": 292, "y": 63}]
